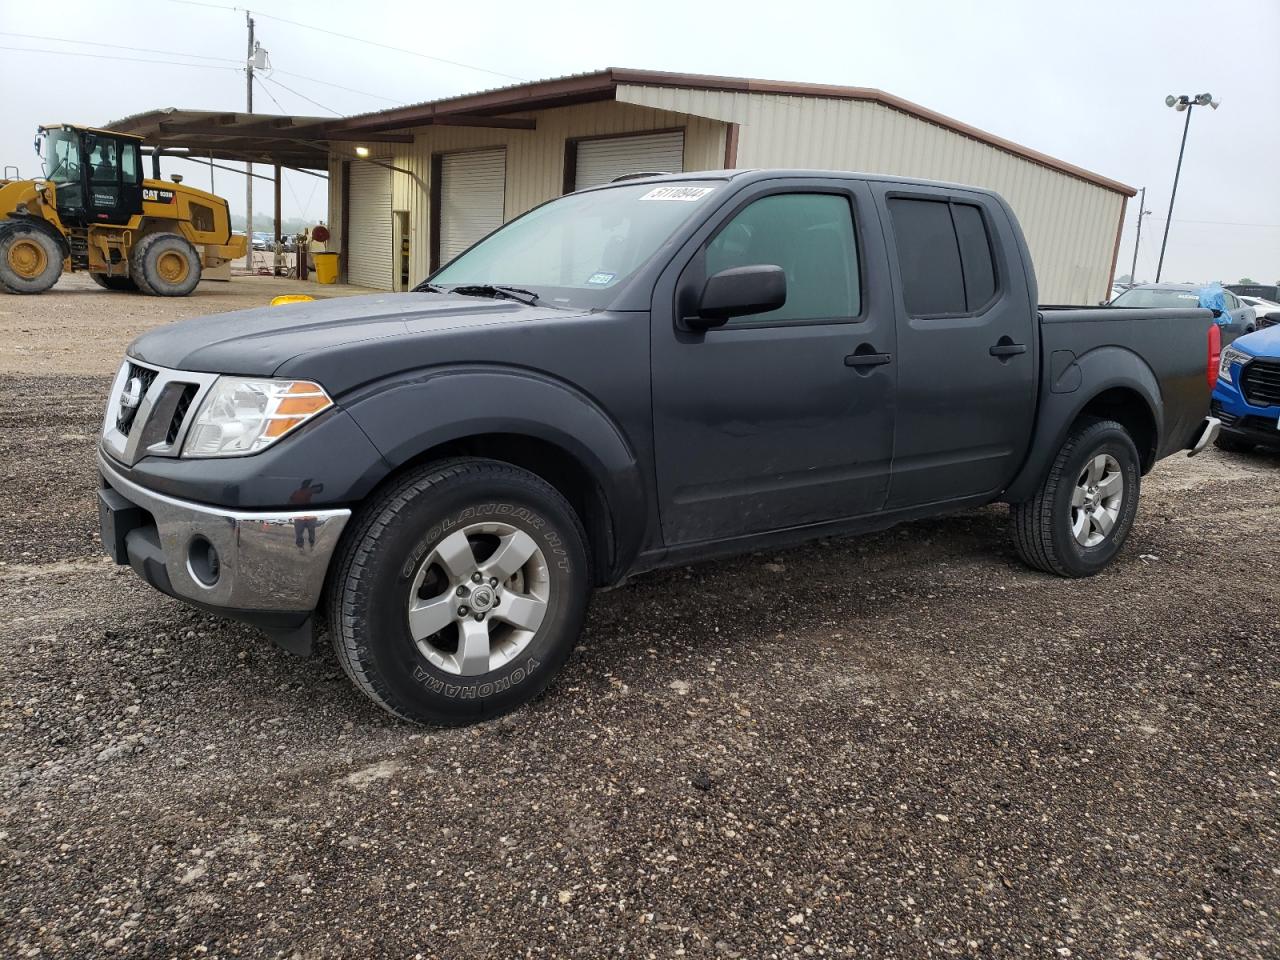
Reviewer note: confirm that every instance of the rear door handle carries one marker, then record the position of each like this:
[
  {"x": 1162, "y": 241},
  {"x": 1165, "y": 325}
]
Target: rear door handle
[
  {"x": 1007, "y": 349},
  {"x": 867, "y": 359}
]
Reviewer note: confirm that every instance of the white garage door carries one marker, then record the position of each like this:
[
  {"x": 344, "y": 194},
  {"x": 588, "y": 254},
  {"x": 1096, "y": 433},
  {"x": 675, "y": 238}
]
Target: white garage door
[
  {"x": 600, "y": 161},
  {"x": 370, "y": 256},
  {"x": 472, "y": 198}
]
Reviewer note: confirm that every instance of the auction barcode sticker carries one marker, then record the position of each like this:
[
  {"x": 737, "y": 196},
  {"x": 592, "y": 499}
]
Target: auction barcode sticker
[{"x": 686, "y": 194}]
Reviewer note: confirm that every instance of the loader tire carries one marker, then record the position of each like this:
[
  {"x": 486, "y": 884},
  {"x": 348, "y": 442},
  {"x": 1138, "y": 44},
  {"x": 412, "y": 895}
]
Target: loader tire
[
  {"x": 30, "y": 258},
  {"x": 165, "y": 265}
]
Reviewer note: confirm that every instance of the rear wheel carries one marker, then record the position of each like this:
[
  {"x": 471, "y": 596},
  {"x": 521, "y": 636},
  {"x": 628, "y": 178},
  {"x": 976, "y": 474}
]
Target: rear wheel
[
  {"x": 459, "y": 592},
  {"x": 116, "y": 284},
  {"x": 30, "y": 258},
  {"x": 165, "y": 265},
  {"x": 1081, "y": 515}
]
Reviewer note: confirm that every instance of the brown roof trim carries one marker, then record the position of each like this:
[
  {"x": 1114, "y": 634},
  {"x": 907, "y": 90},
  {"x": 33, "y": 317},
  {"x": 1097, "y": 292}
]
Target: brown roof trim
[{"x": 602, "y": 85}]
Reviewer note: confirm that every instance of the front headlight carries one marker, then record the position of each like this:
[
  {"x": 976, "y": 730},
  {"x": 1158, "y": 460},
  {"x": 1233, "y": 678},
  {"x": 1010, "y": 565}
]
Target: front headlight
[
  {"x": 1229, "y": 356},
  {"x": 239, "y": 416}
]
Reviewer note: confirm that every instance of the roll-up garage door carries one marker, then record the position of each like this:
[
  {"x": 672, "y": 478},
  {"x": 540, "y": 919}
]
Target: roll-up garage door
[
  {"x": 472, "y": 198},
  {"x": 370, "y": 257},
  {"x": 599, "y": 161}
]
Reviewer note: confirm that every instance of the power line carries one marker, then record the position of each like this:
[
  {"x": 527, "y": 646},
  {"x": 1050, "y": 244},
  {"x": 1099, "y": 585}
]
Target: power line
[
  {"x": 115, "y": 46},
  {"x": 303, "y": 96},
  {"x": 107, "y": 56},
  {"x": 343, "y": 36},
  {"x": 387, "y": 46},
  {"x": 265, "y": 89},
  {"x": 338, "y": 86}
]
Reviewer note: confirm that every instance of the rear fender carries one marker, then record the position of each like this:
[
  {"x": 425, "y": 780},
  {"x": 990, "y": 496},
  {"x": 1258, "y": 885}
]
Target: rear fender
[
  {"x": 1069, "y": 386},
  {"x": 411, "y": 416}
]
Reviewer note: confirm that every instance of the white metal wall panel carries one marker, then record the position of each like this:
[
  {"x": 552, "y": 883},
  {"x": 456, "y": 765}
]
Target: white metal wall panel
[
  {"x": 600, "y": 161},
  {"x": 370, "y": 240},
  {"x": 1070, "y": 223},
  {"x": 473, "y": 191}
]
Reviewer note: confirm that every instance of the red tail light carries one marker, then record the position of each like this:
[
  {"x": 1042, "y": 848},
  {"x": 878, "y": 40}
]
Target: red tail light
[{"x": 1215, "y": 354}]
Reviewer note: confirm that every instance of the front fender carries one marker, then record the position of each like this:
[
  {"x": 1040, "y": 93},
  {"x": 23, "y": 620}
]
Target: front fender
[
  {"x": 1070, "y": 385},
  {"x": 411, "y": 415}
]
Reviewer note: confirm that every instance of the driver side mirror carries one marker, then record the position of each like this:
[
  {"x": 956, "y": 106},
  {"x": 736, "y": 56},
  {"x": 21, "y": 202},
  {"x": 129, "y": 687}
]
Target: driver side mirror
[
  {"x": 739, "y": 292},
  {"x": 1272, "y": 319}
]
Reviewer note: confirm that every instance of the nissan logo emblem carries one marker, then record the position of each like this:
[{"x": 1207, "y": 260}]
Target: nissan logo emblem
[{"x": 131, "y": 395}]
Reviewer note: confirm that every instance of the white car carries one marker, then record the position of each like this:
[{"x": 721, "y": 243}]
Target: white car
[{"x": 1262, "y": 308}]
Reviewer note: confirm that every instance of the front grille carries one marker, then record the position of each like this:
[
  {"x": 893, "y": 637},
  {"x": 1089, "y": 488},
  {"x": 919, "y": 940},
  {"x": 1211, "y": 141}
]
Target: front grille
[
  {"x": 1260, "y": 382},
  {"x": 180, "y": 412},
  {"x": 125, "y": 415}
]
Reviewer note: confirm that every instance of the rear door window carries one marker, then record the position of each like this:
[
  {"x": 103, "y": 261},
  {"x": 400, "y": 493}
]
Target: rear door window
[
  {"x": 929, "y": 257},
  {"x": 945, "y": 255}
]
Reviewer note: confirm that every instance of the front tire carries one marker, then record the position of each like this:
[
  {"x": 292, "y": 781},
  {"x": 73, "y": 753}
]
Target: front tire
[
  {"x": 1084, "y": 508},
  {"x": 30, "y": 258},
  {"x": 459, "y": 592}
]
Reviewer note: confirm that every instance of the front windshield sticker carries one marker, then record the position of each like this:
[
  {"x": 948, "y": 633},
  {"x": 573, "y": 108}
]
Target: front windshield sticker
[
  {"x": 601, "y": 279},
  {"x": 686, "y": 194}
]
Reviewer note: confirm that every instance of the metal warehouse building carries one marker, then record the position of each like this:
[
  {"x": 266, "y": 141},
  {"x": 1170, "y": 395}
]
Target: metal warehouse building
[{"x": 440, "y": 175}]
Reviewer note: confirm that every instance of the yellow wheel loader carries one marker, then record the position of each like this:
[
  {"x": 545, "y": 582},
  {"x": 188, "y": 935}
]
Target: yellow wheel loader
[{"x": 94, "y": 211}]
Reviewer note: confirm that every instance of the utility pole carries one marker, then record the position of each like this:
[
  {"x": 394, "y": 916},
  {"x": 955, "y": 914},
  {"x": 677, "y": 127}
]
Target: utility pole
[
  {"x": 248, "y": 167},
  {"x": 1185, "y": 103},
  {"x": 1142, "y": 212}
]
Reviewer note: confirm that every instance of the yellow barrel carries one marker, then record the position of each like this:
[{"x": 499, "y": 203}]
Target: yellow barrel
[{"x": 326, "y": 267}]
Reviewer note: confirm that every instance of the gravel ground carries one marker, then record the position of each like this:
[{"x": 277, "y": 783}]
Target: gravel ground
[{"x": 939, "y": 753}]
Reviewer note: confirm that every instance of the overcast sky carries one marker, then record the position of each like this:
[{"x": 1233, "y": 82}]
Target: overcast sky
[{"x": 1083, "y": 81}]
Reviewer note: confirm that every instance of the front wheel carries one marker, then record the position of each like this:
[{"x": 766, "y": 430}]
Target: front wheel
[
  {"x": 1083, "y": 510},
  {"x": 30, "y": 258},
  {"x": 460, "y": 592}
]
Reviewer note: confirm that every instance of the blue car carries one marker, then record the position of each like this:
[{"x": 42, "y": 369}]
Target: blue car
[{"x": 1247, "y": 396}]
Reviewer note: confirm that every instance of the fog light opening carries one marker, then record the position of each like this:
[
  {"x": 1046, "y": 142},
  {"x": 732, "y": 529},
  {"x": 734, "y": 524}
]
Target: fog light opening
[{"x": 203, "y": 562}]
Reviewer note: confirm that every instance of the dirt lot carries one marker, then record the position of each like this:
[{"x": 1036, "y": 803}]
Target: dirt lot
[{"x": 938, "y": 753}]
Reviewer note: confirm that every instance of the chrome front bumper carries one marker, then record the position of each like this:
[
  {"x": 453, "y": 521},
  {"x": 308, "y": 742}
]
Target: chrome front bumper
[{"x": 266, "y": 561}]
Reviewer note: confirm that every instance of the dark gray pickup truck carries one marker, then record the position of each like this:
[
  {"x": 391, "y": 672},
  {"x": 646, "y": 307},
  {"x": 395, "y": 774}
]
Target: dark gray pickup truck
[{"x": 645, "y": 374}]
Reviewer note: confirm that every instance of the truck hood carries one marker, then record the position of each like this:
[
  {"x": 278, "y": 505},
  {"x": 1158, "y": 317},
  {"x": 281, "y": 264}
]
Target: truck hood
[{"x": 259, "y": 341}]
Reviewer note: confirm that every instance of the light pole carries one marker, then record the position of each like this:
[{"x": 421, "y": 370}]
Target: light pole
[
  {"x": 1142, "y": 212},
  {"x": 1186, "y": 103}
]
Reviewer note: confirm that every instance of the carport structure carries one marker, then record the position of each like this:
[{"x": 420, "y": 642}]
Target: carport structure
[{"x": 276, "y": 140}]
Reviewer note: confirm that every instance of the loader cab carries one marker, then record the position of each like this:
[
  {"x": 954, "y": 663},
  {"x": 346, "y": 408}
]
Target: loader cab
[{"x": 97, "y": 175}]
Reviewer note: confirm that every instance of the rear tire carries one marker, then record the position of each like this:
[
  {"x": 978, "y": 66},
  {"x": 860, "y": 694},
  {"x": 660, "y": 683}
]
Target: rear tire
[
  {"x": 1232, "y": 444},
  {"x": 165, "y": 265},
  {"x": 30, "y": 258},
  {"x": 115, "y": 284},
  {"x": 413, "y": 627},
  {"x": 1083, "y": 511}
]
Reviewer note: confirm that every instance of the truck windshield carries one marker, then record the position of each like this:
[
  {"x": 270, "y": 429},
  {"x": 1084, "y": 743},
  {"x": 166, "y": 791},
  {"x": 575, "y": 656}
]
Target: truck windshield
[
  {"x": 575, "y": 251},
  {"x": 62, "y": 156}
]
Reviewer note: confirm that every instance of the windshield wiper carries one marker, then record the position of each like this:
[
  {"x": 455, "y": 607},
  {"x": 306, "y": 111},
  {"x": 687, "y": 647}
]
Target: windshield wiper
[
  {"x": 425, "y": 287},
  {"x": 520, "y": 295}
]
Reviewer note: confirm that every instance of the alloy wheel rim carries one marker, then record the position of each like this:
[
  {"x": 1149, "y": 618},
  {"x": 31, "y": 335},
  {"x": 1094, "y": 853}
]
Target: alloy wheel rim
[
  {"x": 1096, "y": 500},
  {"x": 478, "y": 598},
  {"x": 27, "y": 259}
]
